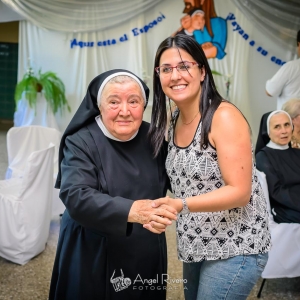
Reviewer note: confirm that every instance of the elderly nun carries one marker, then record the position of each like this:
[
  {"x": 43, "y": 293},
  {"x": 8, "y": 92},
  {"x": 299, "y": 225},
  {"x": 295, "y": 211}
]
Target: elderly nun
[
  {"x": 107, "y": 177},
  {"x": 281, "y": 164}
]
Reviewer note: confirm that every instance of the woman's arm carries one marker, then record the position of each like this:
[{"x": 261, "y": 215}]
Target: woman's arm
[{"x": 230, "y": 135}]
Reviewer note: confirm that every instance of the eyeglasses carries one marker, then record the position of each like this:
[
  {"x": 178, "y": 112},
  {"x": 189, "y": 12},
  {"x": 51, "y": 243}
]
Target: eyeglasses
[{"x": 182, "y": 68}]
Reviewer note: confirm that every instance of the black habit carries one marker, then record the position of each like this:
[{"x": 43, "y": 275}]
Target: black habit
[
  {"x": 282, "y": 169},
  {"x": 263, "y": 136},
  {"x": 100, "y": 255}
]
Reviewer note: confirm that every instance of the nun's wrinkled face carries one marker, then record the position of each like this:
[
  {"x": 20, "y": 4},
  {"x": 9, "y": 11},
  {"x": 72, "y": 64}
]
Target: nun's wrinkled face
[
  {"x": 280, "y": 128},
  {"x": 121, "y": 108}
]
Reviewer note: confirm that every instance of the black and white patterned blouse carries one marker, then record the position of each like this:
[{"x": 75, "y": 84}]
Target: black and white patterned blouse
[{"x": 213, "y": 235}]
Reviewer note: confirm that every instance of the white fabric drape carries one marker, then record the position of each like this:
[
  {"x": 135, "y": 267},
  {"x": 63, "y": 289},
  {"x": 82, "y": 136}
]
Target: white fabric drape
[
  {"x": 7, "y": 14},
  {"x": 77, "y": 66},
  {"x": 234, "y": 64},
  {"x": 41, "y": 114},
  {"x": 79, "y": 16},
  {"x": 275, "y": 18}
]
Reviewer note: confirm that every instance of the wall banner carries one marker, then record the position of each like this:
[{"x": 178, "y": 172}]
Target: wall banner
[
  {"x": 123, "y": 38},
  {"x": 237, "y": 28}
]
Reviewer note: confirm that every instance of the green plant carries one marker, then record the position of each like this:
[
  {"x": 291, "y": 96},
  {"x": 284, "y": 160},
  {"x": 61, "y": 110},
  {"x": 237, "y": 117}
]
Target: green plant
[
  {"x": 216, "y": 73},
  {"x": 48, "y": 83},
  {"x": 227, "y": 81}
]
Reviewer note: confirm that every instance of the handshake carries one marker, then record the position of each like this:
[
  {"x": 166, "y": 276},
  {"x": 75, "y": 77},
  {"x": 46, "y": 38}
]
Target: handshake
[{"x": 155, "y": 215}]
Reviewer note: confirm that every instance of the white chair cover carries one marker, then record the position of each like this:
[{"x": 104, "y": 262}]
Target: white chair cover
[
  {"x": 25, "y": 209},
  {"x": 284, "y": 256},
  {"x": 21, "y": 142}
]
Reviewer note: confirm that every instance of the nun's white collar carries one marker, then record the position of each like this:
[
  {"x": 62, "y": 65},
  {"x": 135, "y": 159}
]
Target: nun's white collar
[
  {"x": 108, "y": 134},
  {"x": 276, "y": 146}
]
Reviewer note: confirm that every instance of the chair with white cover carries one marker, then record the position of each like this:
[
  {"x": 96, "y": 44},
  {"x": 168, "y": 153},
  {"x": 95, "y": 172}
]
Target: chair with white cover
[
  {"x": 25, "y": 208},
  {"x": 284, "y": 256},
  {"x": 21, "y": 142}
]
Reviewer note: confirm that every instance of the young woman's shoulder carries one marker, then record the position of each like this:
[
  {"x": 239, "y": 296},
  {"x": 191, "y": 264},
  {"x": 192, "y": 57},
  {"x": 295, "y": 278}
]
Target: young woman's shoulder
[
  {"x": 228, "y": 124},
  {"x": 227, "y": 106},
  {"x": 227, "y": 113}
]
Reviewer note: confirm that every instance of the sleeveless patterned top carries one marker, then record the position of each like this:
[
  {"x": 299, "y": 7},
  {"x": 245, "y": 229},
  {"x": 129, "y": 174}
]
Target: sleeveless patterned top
[{"x": 213, "y": 235}]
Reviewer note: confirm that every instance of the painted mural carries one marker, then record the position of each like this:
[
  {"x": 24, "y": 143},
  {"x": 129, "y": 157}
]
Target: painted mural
[{"x": 202, "y": 23}]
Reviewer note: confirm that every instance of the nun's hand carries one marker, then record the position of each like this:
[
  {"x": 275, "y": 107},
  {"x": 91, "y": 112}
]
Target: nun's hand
[
  {"x": 156, "y": 225},
  {"x": 143, "y": 212}
]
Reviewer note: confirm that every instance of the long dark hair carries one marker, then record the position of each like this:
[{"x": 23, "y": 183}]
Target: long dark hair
[{"x": 210, "y": 99}]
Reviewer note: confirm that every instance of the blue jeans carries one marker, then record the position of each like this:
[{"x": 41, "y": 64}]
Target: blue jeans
[{"x": 231, "y": 279}]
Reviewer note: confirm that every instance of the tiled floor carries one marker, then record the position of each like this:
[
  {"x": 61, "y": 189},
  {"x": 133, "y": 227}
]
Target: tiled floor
[{"x": 31, "y": 281}]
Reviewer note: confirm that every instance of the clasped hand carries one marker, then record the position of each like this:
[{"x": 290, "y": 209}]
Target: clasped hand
[{"x": 155, "y": 215}]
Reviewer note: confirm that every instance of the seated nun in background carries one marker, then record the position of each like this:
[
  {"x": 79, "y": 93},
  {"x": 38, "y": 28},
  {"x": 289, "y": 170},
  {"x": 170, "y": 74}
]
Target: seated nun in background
[
  {"x": 292, "y": 107},
  {"x": 281, "y": 164},
  {"x": 107, "y": 177}
]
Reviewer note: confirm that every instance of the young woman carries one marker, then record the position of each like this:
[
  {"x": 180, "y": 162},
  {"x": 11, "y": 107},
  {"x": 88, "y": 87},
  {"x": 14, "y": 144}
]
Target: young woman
[{"x": 222, "y": 226}]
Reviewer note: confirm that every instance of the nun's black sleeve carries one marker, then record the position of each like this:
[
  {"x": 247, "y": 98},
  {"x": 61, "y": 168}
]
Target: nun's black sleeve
[
  {"x": 81, "y": 192},
  {"x": 285, "y": 195}
]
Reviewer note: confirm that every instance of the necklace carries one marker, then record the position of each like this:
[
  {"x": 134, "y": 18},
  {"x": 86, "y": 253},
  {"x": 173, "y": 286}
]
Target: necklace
[{"x": 192, "y": 119}]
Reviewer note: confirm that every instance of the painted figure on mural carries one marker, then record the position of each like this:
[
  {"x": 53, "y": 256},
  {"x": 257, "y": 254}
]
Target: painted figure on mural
[
  {"x": 192, "y": 21},
  {"x": 202, "y": 22}
]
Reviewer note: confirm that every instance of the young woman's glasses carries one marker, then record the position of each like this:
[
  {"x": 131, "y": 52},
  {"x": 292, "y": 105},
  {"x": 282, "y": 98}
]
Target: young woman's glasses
[{"x": 182, "y": 68}]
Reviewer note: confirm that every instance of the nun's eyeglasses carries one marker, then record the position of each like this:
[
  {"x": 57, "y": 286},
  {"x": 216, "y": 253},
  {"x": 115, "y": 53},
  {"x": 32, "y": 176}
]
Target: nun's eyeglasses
[{"x": 182, "y": 68}]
